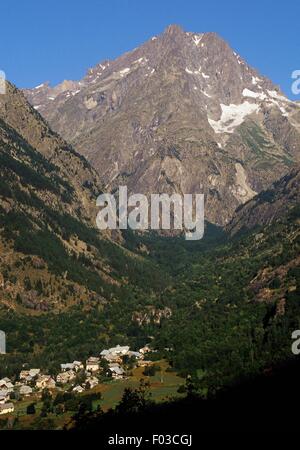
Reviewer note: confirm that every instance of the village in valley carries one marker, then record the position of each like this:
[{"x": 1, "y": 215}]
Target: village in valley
[{"x": 77, "y": 377}]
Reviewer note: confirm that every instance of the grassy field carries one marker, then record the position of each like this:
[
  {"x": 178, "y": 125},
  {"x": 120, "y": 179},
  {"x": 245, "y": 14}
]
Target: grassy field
[{"x": 162, "y": 386}]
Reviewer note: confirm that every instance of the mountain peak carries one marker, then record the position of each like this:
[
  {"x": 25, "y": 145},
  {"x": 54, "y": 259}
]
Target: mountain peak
[
  {"x": 188, "y": 114},
  {"x": 174, "y": 29}
]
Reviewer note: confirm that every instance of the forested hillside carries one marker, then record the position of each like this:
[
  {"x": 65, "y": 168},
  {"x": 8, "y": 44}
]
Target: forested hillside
[
  {"x": 227, "y": 314},
  {"x": 220, "y": 309}
]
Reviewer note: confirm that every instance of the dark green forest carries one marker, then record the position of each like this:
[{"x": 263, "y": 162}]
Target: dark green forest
[{"x": 219, "y": 331}]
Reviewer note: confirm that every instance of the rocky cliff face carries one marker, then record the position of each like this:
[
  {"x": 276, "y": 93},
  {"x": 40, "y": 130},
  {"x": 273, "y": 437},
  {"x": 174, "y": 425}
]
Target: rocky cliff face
[
  {"x": 270, "y": 205},
  {"x": 18, "y": 114},
  {"x": 182, "y": 113}
]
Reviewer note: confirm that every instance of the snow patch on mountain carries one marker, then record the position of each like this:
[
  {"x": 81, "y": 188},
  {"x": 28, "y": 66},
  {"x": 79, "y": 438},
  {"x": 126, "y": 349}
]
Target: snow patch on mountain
[
  {"x": 232, "y": 116},
  {"x": 276, "y": 95},
  {"x": 191, "y": 72},
  {"x": 124, "y": 72},
  {"x": 256, "y": 80},
  {"x": 140, "y": 60},
  {"x": 206, "y": 94},
  {"x": 252, "y": 94},
  {"x": 40, "y": 86},
  {"x": 271, "y": 98},
  {"x": 197, "y": 38},
  {"x": 197, "y": 72}
]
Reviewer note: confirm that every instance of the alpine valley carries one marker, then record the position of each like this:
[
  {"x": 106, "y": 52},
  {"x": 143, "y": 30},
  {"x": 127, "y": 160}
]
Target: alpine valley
[{"x": 182, "y": 113}]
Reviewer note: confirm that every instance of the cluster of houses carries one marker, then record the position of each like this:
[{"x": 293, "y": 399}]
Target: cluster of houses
[
  {"x": 6, "y": 388},
  {"x": 33, "y": 380}
]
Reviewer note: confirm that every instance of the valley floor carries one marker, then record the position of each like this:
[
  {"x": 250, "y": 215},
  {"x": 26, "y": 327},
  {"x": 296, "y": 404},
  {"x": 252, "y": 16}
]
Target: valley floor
[{"x": 162, "y": 387}]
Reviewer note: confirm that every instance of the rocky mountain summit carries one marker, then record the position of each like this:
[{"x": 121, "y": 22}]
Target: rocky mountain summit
[{"x": 181, "y": 113}]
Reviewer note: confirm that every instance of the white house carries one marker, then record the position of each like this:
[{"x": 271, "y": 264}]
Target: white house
[
  {"x": 116, "y": 371},
  {"x": 7, "y": 408},
  {"x": 75, "y": 365},
  {"x": 66, "y": 377},
  {"x": 45, "y": 381},
  {"x": 114, "y": 354},
  {"x": 93, "y": 381},
  {"x": 25, "y": 376},
  {"x": 6, "y": 385},
  {"x": 119, "y": 350},
  {"x": 145, "y": 349},
  {"x": 92, "y": 364},
  {"x": 66, "y": 367},
  {"x": 25, "y": 390},
  {"x": 34, "y": 372},
  {"x": 4, "y": 397},
  {"x": 136, "y": 355},
  {"x": 113, "y": 357},
  {"x": 62, "y": 378},
  {"x": 10, "y": 387},
  {"x": 78, "y": 389}
]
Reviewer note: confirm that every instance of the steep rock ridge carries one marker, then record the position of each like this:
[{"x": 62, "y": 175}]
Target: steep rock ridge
[
  {"x": 51, "y": 254},
  {"x": 269, "y": 205},
  {"x": 182, "y": 113},
  {"x": 72, "y": 167}
]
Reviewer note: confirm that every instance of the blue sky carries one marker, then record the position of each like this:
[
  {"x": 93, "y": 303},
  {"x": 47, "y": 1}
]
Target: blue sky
[{"x": 56, "y": 40}]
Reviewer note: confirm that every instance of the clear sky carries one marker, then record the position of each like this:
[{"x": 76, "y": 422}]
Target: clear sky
[{"x": 43, "y": 40}]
